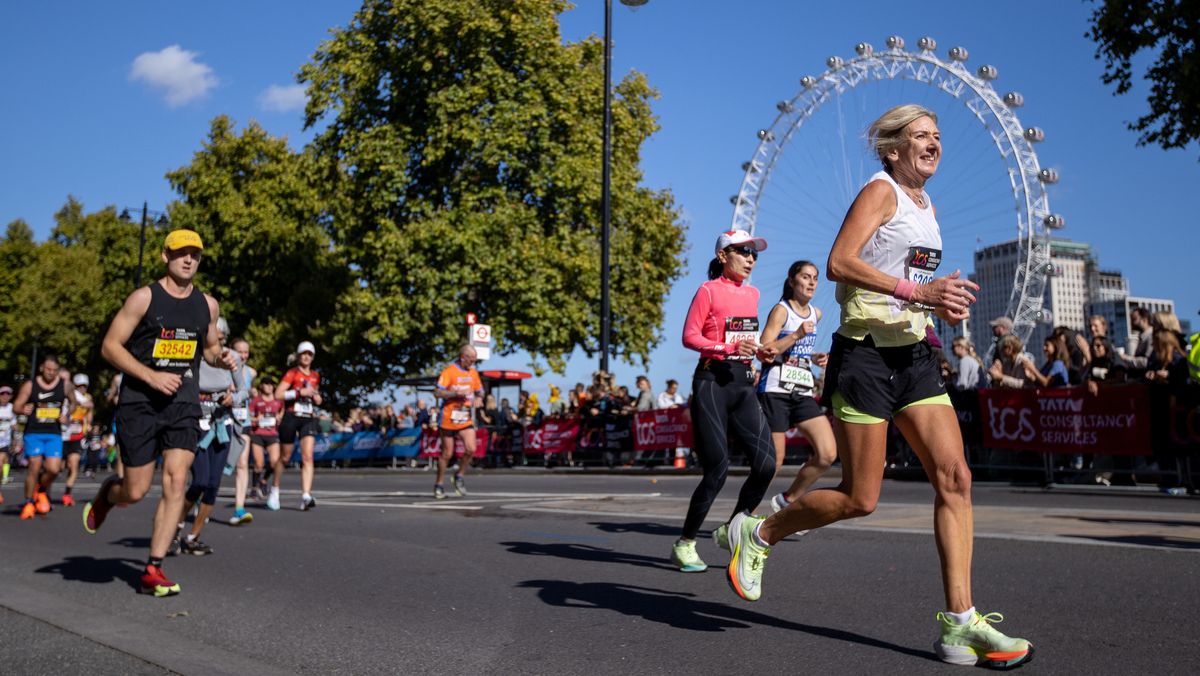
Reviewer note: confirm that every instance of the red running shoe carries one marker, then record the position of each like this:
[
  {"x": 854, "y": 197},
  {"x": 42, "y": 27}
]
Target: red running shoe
[
  {"x": 95, "y": 511},
  {"x": 43, "y": 503},
  {"x": 67, "y": 500},
  {"x": 156, "y": 583},
  {"x": 28, "y": 511}
]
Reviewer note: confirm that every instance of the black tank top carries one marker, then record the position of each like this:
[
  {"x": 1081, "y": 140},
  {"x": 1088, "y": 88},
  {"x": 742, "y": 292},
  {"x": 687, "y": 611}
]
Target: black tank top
[
  {"x": 48, "y": 405},
  {"x": 169, "y": 338}
]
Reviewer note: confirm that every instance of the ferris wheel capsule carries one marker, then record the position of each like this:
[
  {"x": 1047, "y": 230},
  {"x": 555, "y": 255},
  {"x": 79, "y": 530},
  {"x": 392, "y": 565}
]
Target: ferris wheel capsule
[
  {"x": 988, "y": 72},
  {"x": 927, "y": 44},
  {"x": 765, "y": 135},
  {"x": 808, "y": 82},
  {"x": 864, "y": 49},
  {"x": 895, "y": 42},
  {"x": 1034, "y": 134},
  {"x": 734, "y": 200},
  {"x": 958, "y": 54},
  {"x": 1048, "y": 176},
  {"x": 1014, "y": 100},
  {"x": 834, "y": 62},
  {"x": 1055, "y": 221},
  {"x": 785, "y": 107}
]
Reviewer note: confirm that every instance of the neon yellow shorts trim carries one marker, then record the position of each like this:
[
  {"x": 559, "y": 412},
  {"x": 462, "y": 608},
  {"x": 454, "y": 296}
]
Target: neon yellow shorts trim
[{"x": 847, "y": 413}]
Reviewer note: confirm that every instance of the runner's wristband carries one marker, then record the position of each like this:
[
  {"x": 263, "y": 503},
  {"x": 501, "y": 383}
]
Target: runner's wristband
[{"x": 904, "y": 289}]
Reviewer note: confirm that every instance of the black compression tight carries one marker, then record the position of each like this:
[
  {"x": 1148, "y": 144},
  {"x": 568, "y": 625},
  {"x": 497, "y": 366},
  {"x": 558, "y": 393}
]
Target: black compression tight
[{"x": 719, "y": 411}]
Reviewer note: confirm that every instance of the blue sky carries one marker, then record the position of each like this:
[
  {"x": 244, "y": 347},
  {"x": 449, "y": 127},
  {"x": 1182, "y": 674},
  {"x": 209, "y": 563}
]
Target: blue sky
[{"x": 102, "y": 100}]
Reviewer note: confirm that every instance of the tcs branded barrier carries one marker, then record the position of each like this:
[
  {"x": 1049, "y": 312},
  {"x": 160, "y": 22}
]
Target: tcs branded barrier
[
  {"x": 1116, "y": 421},
  {"x": 1119, "y": 420}
]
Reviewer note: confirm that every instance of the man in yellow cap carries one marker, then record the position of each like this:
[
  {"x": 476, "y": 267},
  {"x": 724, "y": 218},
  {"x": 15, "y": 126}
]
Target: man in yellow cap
[{"x": 157, "y": 340}]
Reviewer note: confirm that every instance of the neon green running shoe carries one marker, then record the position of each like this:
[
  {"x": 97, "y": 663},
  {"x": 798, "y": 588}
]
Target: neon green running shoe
[
  {"x": 979, "y": 643},
  {"x": 683, "y": 554},
  {"x": 721, "y": 536},
  {"x": 746, "y": 565}
]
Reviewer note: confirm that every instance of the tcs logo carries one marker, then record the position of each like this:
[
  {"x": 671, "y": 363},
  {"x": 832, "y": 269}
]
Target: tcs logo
[
  {"x": 1010, "y": 423},
  {"x": 645, "y": 432}
]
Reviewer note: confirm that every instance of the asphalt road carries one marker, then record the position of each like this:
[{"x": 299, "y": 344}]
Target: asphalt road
[{"x": 537, "y": 573}]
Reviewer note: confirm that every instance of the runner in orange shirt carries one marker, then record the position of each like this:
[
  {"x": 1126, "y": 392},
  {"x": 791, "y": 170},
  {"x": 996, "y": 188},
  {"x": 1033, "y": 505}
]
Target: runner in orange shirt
[{"x": 457, "y": 387}]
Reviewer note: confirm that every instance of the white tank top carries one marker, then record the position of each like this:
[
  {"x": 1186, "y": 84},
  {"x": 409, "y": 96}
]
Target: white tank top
[
  {"x": 908, "y": 246},
  {"x": 793, "y": 372},
  {"x": 6, "y": 424}
]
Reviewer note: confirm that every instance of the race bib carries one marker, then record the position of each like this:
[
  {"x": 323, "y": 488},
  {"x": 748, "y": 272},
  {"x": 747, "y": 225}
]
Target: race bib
[
  {"x": 5, "y": 425},
  {"x": 174, "y": 349},
  {"x": 303, "y": 409},
  {"x": 921, "y": 264},
  {"x": 266, "y": 422},
  {"x": 460, "y": 416},
  {"x": 796, "y": 376},
  {"x": 241, "y": 414},
  {"x": 48, "y": 413},
  {"x": 740, "y": 329}
]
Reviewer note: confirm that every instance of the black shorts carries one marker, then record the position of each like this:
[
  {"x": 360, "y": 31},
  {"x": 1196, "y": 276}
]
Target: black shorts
[
  {"x": 144, "y": 431},
  {"x": 785, "y": 411},
  {"x": 879, "y": 381},
  {"x": 293, "y": 428},
  {"x": 264, "y": 440},
  {"x": 70, "y": 447}
]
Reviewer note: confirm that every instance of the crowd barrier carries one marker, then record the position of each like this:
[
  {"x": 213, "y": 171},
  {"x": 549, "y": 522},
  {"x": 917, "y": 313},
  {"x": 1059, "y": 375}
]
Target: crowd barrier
[{"x": 1134, "y": 420}]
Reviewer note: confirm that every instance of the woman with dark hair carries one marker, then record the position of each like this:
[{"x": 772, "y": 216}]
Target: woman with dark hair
[
  {"x": 787, "y": 387},
  {"x": 1077, "y": 354},
  {"x": 1054, "y": 371},
  {"x": 722, "y": 325}
]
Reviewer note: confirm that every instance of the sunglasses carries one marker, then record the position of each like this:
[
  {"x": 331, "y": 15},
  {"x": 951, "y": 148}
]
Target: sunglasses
[{"x": 747, "y": 251}]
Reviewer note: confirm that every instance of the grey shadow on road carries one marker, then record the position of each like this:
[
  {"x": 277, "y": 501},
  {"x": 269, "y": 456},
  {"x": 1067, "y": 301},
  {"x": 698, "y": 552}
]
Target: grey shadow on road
[
  {"x": 133, "y": 543},
  {"x": 1143, "y": 540},
  {"x": 643, "y": 527},
  {"x": 97, "y": 571},
  {"x": 683, "y": 611},
  {"x": 578, "y": 552}
]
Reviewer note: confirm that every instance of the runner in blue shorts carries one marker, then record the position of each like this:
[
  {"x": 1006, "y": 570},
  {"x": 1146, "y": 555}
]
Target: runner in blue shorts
[{"x": 47, "y": 400}]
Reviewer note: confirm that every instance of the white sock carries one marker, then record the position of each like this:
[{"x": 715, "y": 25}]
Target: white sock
[
  {"x": 757, "y": 538},
  {"x": 191, "y": 538},
  {"x": 306, "y": 496},
  {"x": 783, "y": 497},
  {"x": 274, "y": 490},
  {"x": 963, "y": 617}
]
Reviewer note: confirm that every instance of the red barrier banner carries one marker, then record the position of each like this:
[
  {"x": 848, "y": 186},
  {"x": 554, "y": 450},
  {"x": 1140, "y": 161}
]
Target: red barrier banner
[
  {"x": 662, "y": 428},
  {"x": 554, "y": 435},
  {"x": 431, "y": 445},
  {"x": 1067, "y": 420}
]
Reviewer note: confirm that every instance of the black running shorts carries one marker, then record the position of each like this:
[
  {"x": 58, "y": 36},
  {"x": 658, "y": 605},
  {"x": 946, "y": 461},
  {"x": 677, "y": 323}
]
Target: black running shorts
[
  {"x": 264, "y": 440},
  {"x": 785, "y": 411},
  {"x": 293, "y": 428},
  {"x": 144, "y": 431},
  {"x": 879, "y": 381},
  {"x": 70, "y": 447}
]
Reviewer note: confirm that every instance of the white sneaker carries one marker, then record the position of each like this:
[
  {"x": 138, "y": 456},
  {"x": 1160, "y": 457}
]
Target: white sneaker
[
  {"x": 273, "y": 500},
  {"x": 778, "y": 503}
]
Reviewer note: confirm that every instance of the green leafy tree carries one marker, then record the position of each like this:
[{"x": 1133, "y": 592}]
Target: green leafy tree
[
  {"x": 68, "y": 288},
  {"x": 1124, "y": 28},
  {"x": 17, "y": 253},
  {"x": 267, "y": 257},
  {"x": 460, "y": 165}
]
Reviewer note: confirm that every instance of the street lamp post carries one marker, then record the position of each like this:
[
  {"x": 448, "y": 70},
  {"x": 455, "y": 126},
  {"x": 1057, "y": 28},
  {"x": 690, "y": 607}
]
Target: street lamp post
[
  {"x": 162, "y": 220},
  {"x": 606, "y": 185}
]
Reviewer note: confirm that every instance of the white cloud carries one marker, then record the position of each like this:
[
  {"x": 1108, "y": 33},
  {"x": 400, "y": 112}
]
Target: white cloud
[
  {"x": 175, "y": 71},
  {"x": 282, "y": 99}
]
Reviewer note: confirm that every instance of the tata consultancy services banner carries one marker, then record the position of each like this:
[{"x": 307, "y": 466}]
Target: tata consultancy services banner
[
  {"x": 663, "y": 428},
  {"x": 1068, "y": 420},
  {"x": 554, "y": 435}
]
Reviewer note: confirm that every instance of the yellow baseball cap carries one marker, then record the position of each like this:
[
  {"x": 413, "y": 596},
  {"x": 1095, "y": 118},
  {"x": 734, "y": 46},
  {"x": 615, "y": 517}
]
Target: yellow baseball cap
[{"x": 181, "y": 239}]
